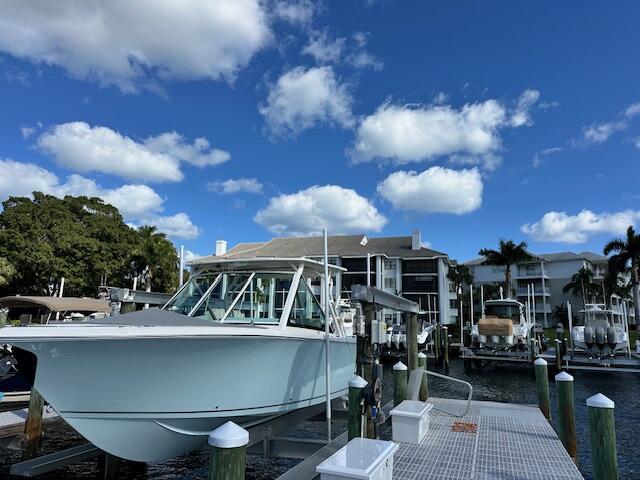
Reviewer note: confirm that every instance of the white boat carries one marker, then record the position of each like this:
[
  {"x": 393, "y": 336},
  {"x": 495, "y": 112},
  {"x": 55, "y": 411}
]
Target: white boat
[
  {"x": 503, "y": 327},
  {"x": 241, "y": 340},
  {"x": 600, "y": 335}
]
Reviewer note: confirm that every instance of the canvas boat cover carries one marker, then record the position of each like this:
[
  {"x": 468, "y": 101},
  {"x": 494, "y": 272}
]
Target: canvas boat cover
[
  {"x": 57, "y": 304},
  {"x": 495, "y": 326}
]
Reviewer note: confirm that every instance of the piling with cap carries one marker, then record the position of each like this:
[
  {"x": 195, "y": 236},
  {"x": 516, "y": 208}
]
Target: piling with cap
[
  {"x": 424, "y": 385},
  {"x": 532, "y": 350},
  {"x": 412, "y": 341},
  {"x": 558, "y": 355},
  {"x": 399, "y": 383},
  {"x": 445, "y": 347},
  {"x": 356, "y": 385},
  {"x": 566, "y": 414},
  {"x": 436, "y": 343},
  {"x": 228, "y": 452},
  {"x": 542, "y": 386},
  {"x": 602, "y": 433}
]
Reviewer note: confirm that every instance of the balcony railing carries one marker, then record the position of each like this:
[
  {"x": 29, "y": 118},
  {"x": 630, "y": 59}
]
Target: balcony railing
[
  {"x": 530, "y": 272},
  {"x": 522, "y": 291}
]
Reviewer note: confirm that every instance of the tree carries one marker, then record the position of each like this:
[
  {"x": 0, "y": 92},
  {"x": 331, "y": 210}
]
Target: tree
[
  {"x": 155, "y": 260},
  {"x": 508, "y": 254},
  {"x": 7, "y": 271},
  {"x": 581, "y": 283},
  {"x": 627, "y": 259},
  {"x": 460, "y": 275}
]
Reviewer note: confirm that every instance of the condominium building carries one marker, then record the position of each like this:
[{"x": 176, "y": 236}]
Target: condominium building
[
  {"x": 399, "y": 265},
  {"x": 548, "y": 274}
]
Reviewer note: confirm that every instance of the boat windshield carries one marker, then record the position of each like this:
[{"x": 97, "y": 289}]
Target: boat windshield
[
  {"x": 503, "y": 311},
  {"x": 190, "y": 294}
]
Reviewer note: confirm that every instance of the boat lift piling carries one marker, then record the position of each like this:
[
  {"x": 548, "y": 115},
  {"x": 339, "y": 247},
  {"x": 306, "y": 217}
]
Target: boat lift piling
[
  {"x": 400, "y": 377},
  {"x": 566, "y": 414},
  {"x": 602, "y": 433},
  {"x": 228, "y": 452},
  {"x": 33, "y": 424},
  {"x": 542, "y": 387}
]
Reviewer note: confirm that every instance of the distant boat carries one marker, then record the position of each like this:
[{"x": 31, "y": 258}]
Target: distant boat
[
  {"x": 600, "y": 335},
  {"x": 240, "y": 340},
  {"x": 503, "y": 328}
]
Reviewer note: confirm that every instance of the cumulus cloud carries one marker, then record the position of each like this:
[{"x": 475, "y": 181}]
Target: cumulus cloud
[
  {"x": 299, "y": 12},
  {"x": 231, "y": 186},
  {"x": 129, "y": 44},
  {"x": 307, "y": 212},
  {"x": 323, "y": 48},
  {"x": 83, "y": 148},
  {"x": 565, "y": 228},
  {"x": 412, "y": 133},
  {"x": 302, "y": 98},
  {"x": 135, "y": 202},
  {"x": 435, "y": 190}
]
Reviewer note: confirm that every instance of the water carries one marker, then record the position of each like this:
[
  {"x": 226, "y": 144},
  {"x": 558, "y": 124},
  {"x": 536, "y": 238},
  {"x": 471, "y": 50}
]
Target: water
[{"x": 514, "y": 384}]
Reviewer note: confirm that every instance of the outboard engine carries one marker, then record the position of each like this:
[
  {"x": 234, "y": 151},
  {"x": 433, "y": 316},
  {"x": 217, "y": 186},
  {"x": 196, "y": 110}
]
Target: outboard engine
[
  {"x": 611, "y": 338},
  {"x": 589, "y": 337},
  {"x": 600, "y": 337}
]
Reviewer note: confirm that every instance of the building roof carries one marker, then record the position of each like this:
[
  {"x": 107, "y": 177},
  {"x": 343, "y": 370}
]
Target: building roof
[
  {"x": 338, "y": 245},
  {"x": 58, "y": 304},
  {"x": 554, "y": 257}
]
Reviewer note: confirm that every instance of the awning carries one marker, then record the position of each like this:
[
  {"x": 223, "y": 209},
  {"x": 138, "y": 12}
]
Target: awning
[{"x": 58, "y": 304}]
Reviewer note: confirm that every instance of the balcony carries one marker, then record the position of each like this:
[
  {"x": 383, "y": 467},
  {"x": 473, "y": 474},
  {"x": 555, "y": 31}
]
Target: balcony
[
  {"x": 533, "y": 271},
  {"x": 537, "y": 291}
]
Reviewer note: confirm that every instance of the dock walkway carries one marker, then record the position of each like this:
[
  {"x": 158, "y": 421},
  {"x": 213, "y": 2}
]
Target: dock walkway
[{"x": 492, "y": 441}]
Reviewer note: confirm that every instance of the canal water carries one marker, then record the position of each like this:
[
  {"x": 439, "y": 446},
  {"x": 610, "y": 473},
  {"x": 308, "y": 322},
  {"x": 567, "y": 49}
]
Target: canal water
[{"x": 514, "y": 384}]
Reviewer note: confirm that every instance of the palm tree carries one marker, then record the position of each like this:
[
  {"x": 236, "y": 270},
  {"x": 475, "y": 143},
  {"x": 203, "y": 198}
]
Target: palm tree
[
  {"x": 154, "y": 255},
  {"x": 627, "y": 259},
  {"x": 460, "y": 275},
  {"x": 7, "y": 271},
  {"x": 559, "y": 313},
  {"x": 581, "y": 283},
  {"x": 509, "y": 253}
]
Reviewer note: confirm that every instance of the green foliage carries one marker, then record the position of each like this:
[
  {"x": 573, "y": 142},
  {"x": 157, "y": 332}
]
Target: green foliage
[
  {"x": 626, "y": 260},
  {"x": 81, "y": 239},
  {"x": 7, "y": 271},
  {"x": 460, "y": 275},
  {"x": 155, "y": 259},
  {"x": 509, "y": 253}
]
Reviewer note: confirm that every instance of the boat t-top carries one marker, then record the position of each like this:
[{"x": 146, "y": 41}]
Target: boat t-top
[
  {"x": 503, "y": 327},
  {"x": 600, "y": 335},
  {"x": 241, "y": 340}
]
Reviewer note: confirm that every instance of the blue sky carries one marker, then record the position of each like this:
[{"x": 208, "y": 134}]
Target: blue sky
[{"x": 243, "y": 120}]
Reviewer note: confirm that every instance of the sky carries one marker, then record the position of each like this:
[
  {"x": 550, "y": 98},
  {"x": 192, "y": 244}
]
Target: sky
[{"x": 243, "y": 119}]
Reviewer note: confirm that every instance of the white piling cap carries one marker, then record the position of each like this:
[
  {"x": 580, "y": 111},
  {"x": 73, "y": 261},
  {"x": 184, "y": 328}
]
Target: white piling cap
[
  {"x": 229, "y": 435},
  {"x": 422, "y": 355},
  {"x": 564, "y": 377},
  {"x": 357, "y": 382},
  {"x": 600, "y": 401},
  {"x": 399, "y": 366},
  {"x": 540, "y": 361}
]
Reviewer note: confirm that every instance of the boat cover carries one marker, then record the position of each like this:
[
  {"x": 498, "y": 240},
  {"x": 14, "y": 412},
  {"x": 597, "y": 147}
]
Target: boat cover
[
  {"x": 495, "y": 326},
  {"x": 57, "y": 304}
]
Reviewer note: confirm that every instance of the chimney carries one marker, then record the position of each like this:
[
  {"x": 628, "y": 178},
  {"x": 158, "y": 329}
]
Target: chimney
[
  {"x": 221, "y": 247},
  {"x": 416, "y": 240}
]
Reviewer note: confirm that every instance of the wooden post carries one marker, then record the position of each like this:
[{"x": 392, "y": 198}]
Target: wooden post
[
  {"x": 436, "y": 343},
  {"x": 532, "y": 349},
  {"x": 109, "y": 468},
  {"x": 399, "y": 383},
  {"x": 542, "y": 386},
  {"x": 602, "y": 432},
  {"x": 356, "y": 384},
  {"x": 412, "y": 340},
  {"x": 560, "y": 338},
  {"x": 228, "y": 452},
  {"x": 558, "y": 355},
  {"x": 566, "y": 414},
  {"x": 424, "y": 385},
  {"x": 445, "y": 347},
  {"x": 33, "y": 424}
]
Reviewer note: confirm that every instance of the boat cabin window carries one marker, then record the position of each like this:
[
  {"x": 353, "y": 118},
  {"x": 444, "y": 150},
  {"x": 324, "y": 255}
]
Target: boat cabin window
[
  {"x": 306, "y": 311},
  {"x": 263, "y": 299},
  {"x": 191, "y": 293},
  {"x": 503, "y": 311},
  {"x": 220, "y": 298}
]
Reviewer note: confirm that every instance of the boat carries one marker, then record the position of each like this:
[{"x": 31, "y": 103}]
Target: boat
[
  {"x": 504, "y": 327},
  {"x": 602, "y": 333},
  {"x": 396, "y": 337},
  {"x": 241, "y": 340}
]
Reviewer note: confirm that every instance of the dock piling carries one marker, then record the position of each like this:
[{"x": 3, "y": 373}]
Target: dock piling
[
  {"x": 228, "y": 452},
  {"x": 542, "y": 386},
  {"x": 436, "y": 343},
  {"x": 424, "y": 385},
  {"x": 356, "y": 385},
  {"x": 558, "y": 355},
  {"x": 566, "y": 414},
  {"x": 399, "y": 383},
  {"x": 33, "y": 424},
  {"x": 445, "y": 347},
  {"x": 412, "y": 341},
  {"x": 532, "y": 349},
  {"x": 602, "y": 433}
]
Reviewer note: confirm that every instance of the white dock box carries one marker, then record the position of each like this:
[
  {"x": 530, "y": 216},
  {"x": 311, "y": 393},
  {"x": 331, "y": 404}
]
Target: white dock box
[
  {"x": 361, "y": 459},
  {"x": 410, "y": 421}
]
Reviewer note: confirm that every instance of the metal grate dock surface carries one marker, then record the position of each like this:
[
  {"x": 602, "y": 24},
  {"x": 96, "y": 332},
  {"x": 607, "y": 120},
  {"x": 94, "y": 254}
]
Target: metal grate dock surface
[{"x": 511, "y": 442}]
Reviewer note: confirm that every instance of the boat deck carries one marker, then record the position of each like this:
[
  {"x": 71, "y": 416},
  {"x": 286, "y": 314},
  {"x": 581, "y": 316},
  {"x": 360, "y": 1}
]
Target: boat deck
[{"x": 492, "y": 441}]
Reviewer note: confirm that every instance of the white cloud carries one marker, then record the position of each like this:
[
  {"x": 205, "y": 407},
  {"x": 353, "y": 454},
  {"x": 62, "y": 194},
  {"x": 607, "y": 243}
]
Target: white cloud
[
  {"x": 133, "y": 201},
  {"x": 128, "y": 44},
  {"x": 83, "y": 148},
  {"x": 538, "y": 158},
  {"x": 294, "y": 11},
  {"x": 307, "y": 212},
  {"x": 632, "y": 110},
  {"x": 564, "y": 228},
  {"x": 440, "y": 98},
  {"x": 600, "y": 132},
  {"x": 436, "y": 190},
  {"x": 26, "y": 132},
  {"x": 522, "y": 114},
  {"x": 190, "y": 255},
  {"x": 323, "y": 48},
  {"x": 302, "y": 98},
  {"x": 248, "y": 185},
  {"x": 364, "y": 59}
]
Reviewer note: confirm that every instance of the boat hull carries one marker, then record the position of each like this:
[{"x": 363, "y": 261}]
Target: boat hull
[{"x": 148, "y": 399}]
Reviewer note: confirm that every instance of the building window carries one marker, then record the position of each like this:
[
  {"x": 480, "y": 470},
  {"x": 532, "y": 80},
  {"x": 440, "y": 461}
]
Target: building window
[
  {"x": 453, "y": 304},
  {"x": 419, "y": 283},
  {"x": 420, "y": 266},
  {"x": 498, "y": 268},
  {"x": 390, "y": 283},
  {"x": 389, "y": 265}
]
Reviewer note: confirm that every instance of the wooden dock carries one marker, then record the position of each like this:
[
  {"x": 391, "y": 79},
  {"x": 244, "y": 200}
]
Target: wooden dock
[{"x": 12, "y": 422}]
